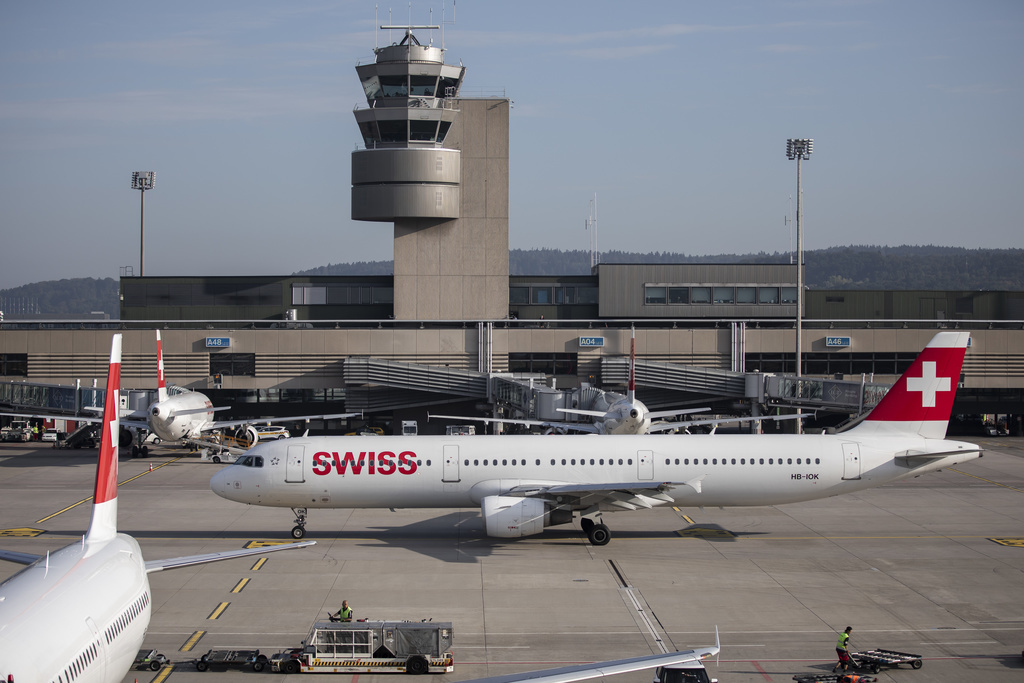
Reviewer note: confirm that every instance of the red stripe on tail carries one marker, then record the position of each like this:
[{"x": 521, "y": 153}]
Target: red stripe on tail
[
  {"x": 106, "y": 472},
  {"x": 925, "y": 392}
]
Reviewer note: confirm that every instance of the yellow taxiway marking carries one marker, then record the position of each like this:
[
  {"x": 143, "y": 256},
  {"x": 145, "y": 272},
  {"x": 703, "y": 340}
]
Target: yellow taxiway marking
[
  {"x": 23, "y": 532},
  {"x": 704, "y": 532},
  {"x": 239, "y": 586},
  {"x": 192, "y": 641},
  {"x": 1012, "y": 542},
  {"x": 215, "y": 614},
  {"x": 265, "y": 544},
  {"x": 259, "y": 564},
  {"x": 996, "y": 483},
  {"x": 164, "y": 673},
  {"x": 86, "y": 500}
]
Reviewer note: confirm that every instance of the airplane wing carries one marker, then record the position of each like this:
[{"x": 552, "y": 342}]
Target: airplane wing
[
  {"x": 630, "y": 495},
  {"x": 583, "y": 672},
  {"x": 290, "y": 418},
  {"x": 19, "y": 558},
  {"x": 580, "y": 427},
  {"x": 189, "y": 560}
]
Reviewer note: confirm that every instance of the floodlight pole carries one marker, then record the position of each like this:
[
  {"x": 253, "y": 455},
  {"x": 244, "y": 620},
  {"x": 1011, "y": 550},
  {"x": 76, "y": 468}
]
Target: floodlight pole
[
  {"x": 142, "y": 181},
  {"x": 799, "y": 149}
]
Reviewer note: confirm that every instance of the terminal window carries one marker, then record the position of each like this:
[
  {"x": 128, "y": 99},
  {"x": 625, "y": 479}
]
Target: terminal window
[
  {"x": 14, "y": 364},
  {"x": 233, "y": 364}
]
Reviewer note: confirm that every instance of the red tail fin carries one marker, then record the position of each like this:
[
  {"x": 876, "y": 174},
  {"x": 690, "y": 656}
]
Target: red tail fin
[
  {"x": 161, "y": 383},
  {"x": 922, "y": 399},
  {"x": 104, "y": 510}
]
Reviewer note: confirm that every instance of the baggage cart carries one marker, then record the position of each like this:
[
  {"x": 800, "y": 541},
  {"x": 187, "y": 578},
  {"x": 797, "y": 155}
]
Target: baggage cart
[
  {"x": 149, "y": 659},
  {"x": 232, "y": 659},
  {"x": 874, "y": 660}
]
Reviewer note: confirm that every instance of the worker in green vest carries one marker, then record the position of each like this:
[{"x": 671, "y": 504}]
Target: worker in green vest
[
  {"x": 843, "y": 650},
  {"x": 344, "y": 614}
]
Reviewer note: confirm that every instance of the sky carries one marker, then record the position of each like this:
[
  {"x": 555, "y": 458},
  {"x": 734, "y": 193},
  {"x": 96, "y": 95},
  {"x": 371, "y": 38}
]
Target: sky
[{"x": 673, "y": 114}]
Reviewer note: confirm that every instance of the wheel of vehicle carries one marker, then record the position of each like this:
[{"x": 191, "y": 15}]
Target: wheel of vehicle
[
  {"x": 599, "y": 535},
  {"x": 135, "y": 451},
  {"x": 145, "y": 451},
  {"x": 202, "y": 666},
  {"x": 416, "y": 666},
  {"x": 154, "y": 665},
  {"x": 216, "y": 459},
  {"x": 917, "y": 663},
  {"x": 258, "y": 665},
  {"x": 290, "y": 666},
  {"x": 876, "y": 667},
  {"x": 298, "y": 532}
]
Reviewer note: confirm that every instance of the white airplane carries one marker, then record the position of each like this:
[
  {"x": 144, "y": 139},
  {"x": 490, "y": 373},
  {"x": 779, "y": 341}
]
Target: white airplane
[
  {"x": 612, "y": 413},
  {"x": 183, "y": 415},
  {"x": 525, "y": 483},
  {"x": 80, "y": 613}
]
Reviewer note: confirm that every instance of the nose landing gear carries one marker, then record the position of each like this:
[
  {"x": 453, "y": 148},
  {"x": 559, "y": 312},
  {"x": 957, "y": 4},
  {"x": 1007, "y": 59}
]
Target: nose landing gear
[{"x": 299, "y": 530}]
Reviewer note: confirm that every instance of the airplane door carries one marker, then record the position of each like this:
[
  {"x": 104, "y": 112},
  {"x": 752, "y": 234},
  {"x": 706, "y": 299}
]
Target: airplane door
[
  {"x": 645, "y": 464},
  {"x": 451, "y": 464},
  {"x": 293, "y": 465},
  {"x": 851, "y": 461}
]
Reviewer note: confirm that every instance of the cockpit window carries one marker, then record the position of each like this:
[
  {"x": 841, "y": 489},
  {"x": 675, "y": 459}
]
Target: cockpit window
[{"x": 251, "y": 461}]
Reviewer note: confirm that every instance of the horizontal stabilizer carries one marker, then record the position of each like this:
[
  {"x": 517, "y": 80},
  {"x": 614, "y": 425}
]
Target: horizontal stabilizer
[{"x": 19, "y": 558}]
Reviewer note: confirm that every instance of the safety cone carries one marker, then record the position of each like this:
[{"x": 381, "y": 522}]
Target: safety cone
[{"x": 150, "y": 469}]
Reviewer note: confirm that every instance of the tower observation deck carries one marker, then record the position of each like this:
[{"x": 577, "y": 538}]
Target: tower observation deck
[{"x": 405, "y": 170}]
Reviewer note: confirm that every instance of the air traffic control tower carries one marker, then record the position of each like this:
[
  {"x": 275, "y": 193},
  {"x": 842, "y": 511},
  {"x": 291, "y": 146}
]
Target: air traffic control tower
[{"x": 436, "y": 165}]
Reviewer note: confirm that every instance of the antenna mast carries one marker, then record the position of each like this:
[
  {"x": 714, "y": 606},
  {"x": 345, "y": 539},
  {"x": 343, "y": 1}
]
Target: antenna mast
[{"x": 591, "y": 225}]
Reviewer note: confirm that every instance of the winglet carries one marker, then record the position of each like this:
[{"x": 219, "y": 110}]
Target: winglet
[
  {"x": 161, "y": 383},
  {"x": 103, "y": 526},
  {"x": 921, "y": 401}
]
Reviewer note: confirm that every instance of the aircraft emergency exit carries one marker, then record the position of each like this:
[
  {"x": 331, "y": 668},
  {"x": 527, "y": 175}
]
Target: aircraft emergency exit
[
  {"x": 81, "y": 612},
  {"x": 525, "y": 483}
]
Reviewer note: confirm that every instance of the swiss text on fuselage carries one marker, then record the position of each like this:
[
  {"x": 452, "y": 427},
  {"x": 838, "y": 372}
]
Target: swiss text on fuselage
[{"x": 369, "y": 462}]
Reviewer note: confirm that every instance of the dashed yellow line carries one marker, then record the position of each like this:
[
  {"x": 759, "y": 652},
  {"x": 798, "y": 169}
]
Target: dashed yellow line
[
  {"x": 86, "y": 500},
  {"x": 259, "y": 564},
  {"x": 192, "y": 641},
  {"x": 239, "y": 586},
  {"x": 215, "y": 614},
  {"x": 164, "y": 673},
  {"x": 996, "y": 483}
]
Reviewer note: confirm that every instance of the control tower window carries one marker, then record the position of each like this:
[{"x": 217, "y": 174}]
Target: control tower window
[
  {"x": 746, "y": 295},
  {"x": 789, "y": 295},
  {"x": 700, "y": 295},
  {"x": 392, "y": 131},
  {"x": 445, "y": 125},
  {"x": 768, "y": 295},
  {"x": 724, "y": 295},
  {"x": 371, "y": 86},
  {"x": 654, "y": 295},
  {"x": 448, "y": 88},
  {"x": 394, "y": 86},
  {"x": 424, "y": 131},
  {"x": 422, "y": 86},
  {"x": 369, "y": 131}
]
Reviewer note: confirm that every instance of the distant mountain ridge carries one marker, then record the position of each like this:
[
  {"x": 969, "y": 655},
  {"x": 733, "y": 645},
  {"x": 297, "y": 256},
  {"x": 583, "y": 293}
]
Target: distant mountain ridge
[{"x": 853, "y": 267}]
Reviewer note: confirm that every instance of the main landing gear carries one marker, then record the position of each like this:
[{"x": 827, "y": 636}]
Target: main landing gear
[
  {"x": 299, "y": 530},
  {"x": 597, "y": 532}
]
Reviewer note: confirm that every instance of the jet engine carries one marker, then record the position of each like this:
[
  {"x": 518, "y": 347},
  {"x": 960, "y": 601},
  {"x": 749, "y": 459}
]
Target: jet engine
[
  {"x": 247, "y": 434},
  {"x": 512, "y": 516}
]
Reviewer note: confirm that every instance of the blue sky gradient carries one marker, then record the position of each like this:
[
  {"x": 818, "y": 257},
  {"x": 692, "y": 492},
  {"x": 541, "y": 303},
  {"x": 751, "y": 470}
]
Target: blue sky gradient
[{"x": 675, "y": 114}]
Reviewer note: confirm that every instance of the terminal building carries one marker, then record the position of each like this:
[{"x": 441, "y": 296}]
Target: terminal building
[{"x": 451, "y": 331}]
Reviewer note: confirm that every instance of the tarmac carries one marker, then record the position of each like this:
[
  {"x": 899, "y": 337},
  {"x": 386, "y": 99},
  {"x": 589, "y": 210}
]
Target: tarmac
[{"x": 932, "y": 566}]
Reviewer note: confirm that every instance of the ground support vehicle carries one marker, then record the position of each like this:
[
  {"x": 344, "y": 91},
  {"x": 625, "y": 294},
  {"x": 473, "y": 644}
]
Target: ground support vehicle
[
  {"x": 414, "y": 647},
  {"x": 149, "y": 659},
  {"x": 232, "y": 659},
  {"x": 18, "y": 430},
  {"x": 833, "y": 678},
  {"x": 687, "y": 672},
  {"x": 83, "y": 437},
  {"x": 874, "y": 660}
]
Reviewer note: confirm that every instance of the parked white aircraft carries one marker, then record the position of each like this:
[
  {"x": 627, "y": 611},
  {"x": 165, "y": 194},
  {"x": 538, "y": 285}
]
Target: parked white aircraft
[
  {"x": 526, "y": 483},
  {"x": 80, "y": 613},
  {"x": 183, "y": 415},
  {"x": 612, "y": 413}
]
